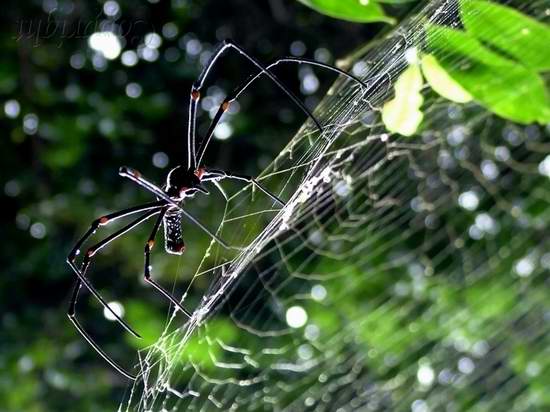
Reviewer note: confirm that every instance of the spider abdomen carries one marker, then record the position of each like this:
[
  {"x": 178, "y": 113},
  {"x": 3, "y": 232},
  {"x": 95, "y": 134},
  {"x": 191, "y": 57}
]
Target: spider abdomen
[{"x": 173, "y": 235}]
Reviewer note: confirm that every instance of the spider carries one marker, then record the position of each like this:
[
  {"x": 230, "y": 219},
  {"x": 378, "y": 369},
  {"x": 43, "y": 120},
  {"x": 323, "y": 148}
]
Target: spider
[{"x": 182, "y": 182}]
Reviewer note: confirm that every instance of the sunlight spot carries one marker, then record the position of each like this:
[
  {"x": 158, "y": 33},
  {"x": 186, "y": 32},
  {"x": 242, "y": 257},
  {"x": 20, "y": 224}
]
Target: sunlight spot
[
  {"x": 106, "y": 43},
  {"x": 72, "y": 92},
  {"x": 56, "y": 379},
  {"x": 25, "y": 364},
  {"x": 106, "y": 126},
  {"x": 30, "y": 123},
  {"x": 193, "y": 47},
  {"x": 99, "y": 62},
  {"x": 309, "y": 402},
  {"x": 111, "y": 8},
  {"x": 310, "y": 84},
  {"x": 544, "y": 167},
  {"x": 22, "y": 221},
  {"x": 12, "y": 108},
  {"x": 524, "y": 267},
  {"x": 312, "y": 332},
  {"x": 425, "y": 375},
  {"x": 445, "y": 377},
  {"x": 297, "y": 48},
  {"x": 133, "y": 90},
  {"x": 12, "y": 188},
  {"x": 533, "y": 369},
  {"x": 468, "y": 200},
  {"x": 502, "y": 153},
  {"x": 489, "y": 169},
  {"x": 318, "y": 292},
  {"x": 486, "y": 223},
  {"x": 129, "y": 58},
  {"x": 411, "y": 55},
  {"x": 152, "y": 40},
  {"x": 445, "y": 160},
  {"x": 223, "y": 131},
  {"x": 419, "y": 405},
  {"x": 457, "y": 135},
  {"x": 117, "y": 308},
  {"x": 342, "y": 188},
  {"x": 148, "y": 53},
  {"x": 38, "y": 230},
  {"x": 466, "y": 365},
  {"x": 170, "y": 30},
  {"x": 160, "y": 160},
  {"x": 480, "y": 348},
  {"x": 77, "y": 61},
  {"x": 296, "y": 316},
  {"x": 316, "y": 237},
  {"x": 305, "y": 352},
  {"x": 322, "y": 55},
  {"x": 475, "y": 232}
]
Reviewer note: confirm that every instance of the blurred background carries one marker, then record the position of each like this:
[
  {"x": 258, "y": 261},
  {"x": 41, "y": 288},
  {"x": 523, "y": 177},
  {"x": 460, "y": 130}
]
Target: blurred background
[
  {"x": 77, "y": 103},
  {"x": 442, "y": 300}
]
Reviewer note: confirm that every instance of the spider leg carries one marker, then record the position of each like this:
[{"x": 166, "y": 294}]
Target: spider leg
[
  {"x": 137, "y": 177},
  {"x": 71, "y": 313},
  {"x": 89, "y": 339},
  {"x": 220, "y": 188},
  {"x": 93, "y": 228},
  {"x": 147, "y": 271},
  {"x": 217, "y": 175},
  {"x": 224, "y": 106},
  {"x": 237, "y": 92},
  {"x": 196, "y": 89}
]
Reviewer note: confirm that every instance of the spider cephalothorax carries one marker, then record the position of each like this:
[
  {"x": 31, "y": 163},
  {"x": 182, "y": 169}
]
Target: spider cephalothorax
[{"x": 182, "y": 182}]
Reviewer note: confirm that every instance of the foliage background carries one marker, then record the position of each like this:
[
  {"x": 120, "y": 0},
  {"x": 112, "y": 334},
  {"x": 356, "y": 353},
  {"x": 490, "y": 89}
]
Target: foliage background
[
  {"x": 77, "y": 123},
  {"x": 56, "y": 179}
]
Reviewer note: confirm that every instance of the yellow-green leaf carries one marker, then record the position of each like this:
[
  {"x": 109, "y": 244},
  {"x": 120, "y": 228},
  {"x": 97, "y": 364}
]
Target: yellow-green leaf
[
  {"x": 358, "y": 11},
  {"x": 441, "y": 82},
  {"x": 402, "y": 114}
]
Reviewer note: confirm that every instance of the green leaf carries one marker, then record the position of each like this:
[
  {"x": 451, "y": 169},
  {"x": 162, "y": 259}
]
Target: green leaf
[
  {"x": 453, "y": 46},
  {"x": 358, "y": 11},
  {"x": 511, "y": 32},
  {"x": 402, "y": 114},
  {"x": 440, "y": 81},
  {"x": 503, "y": 86}
]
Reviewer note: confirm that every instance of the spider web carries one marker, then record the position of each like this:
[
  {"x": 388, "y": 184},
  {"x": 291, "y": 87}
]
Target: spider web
[{"x": 403, "y": 273}]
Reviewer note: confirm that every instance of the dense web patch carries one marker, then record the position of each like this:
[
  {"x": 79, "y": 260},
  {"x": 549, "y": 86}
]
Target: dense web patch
[{"x": 403, "y": 273}]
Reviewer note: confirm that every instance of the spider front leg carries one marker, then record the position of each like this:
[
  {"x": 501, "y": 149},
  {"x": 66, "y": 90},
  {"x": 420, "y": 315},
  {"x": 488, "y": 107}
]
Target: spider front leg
[
  {"x": 217, "y": 175},
  {"x": 103, "y": 221},
  {"x": 86, "y": 264},
  {"x": 147, "y": 272},
  {"x": 193, "y": 159}
]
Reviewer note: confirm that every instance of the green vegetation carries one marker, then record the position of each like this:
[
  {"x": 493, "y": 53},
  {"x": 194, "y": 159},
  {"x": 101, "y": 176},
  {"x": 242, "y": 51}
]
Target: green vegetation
[{"x": 425, "y": 289}]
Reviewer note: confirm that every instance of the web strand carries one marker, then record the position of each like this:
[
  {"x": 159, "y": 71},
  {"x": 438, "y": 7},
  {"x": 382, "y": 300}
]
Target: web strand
[{"x": 360, "y": 293}]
